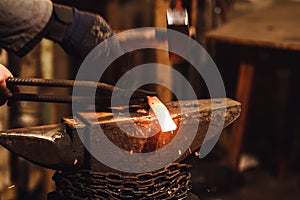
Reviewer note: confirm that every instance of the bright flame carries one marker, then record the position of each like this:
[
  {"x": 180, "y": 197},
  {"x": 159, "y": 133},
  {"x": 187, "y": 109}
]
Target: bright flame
[{"x": 162, "y": 114}]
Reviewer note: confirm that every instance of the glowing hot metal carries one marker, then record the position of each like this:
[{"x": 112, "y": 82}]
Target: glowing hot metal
[{"x": 164, "y": 118}]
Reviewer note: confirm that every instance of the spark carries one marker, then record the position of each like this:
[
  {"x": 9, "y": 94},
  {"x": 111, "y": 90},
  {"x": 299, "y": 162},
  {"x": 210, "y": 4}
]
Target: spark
[
  {"x": 75, "y": 162},
  {"x": 179, "y": 152},
  {"x": 11, "y": 187}
]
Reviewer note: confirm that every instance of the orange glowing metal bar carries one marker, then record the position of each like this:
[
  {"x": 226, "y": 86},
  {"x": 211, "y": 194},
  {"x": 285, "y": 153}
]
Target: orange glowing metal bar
[{"x": 162, "y": 114}]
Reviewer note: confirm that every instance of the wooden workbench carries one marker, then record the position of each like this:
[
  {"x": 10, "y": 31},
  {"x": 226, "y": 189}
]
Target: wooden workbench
[{"x": 268, "y": 38}]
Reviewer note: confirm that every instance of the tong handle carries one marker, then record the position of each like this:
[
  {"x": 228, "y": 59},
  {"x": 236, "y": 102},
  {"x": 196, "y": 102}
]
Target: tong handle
[
  {"x": 41, "y": 98},
  {"x": 102, "y": 101},
  {"x": 69, "y": 83},
  {"x": 57, "y": 83},
  {"x": 59, "y": 99}
]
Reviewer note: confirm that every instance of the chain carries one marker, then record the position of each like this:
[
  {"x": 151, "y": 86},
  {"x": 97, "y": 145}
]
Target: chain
[{"x": 172, "y": 182}]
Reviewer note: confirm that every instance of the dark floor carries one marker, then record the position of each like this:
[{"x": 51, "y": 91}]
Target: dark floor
[
  {"x": 212, "y": 181},
  {"x": 260, "y": 185}
]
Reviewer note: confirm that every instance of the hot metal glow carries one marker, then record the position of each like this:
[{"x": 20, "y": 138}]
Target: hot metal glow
[
  {"x": 11, "y": 187},
  {"x": 164, "y": 118}
]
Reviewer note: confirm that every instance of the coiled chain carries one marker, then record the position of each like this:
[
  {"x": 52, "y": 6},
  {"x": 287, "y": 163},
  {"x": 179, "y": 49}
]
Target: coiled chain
[{"x": 172, "y": 182}]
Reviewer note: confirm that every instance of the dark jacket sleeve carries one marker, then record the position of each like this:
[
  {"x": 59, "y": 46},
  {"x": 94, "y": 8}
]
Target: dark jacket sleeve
[{"x": 21, "y": 23}]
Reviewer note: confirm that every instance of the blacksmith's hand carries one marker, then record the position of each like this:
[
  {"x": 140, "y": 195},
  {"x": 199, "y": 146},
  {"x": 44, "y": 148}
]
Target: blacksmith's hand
[
  {"x": 5, "y": 93},
  {"x": 78, "y": 32}
]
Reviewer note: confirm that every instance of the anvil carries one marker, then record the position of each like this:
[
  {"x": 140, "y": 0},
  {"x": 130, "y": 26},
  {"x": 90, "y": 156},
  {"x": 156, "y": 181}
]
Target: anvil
[{"x": 59, "y": 146}]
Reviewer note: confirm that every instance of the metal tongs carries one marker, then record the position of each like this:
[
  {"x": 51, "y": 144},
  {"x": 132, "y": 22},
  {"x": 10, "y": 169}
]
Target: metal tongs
[{"x": 139, "y": 95}]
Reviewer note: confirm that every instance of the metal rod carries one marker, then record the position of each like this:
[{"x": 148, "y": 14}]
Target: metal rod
[
  {"x": 99, "y": 101},
  {"x": 69, "y": 83},
  {"x": 57, "y": 83},
  {"x": 42, "y": 98}
]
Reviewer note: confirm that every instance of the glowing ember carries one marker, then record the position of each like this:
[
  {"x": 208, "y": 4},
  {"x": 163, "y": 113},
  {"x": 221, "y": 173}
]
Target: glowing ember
[
  {"x": 75, "y": 162},
  {"x": 162, "y": 114},
  {"x": 11, "y": 187}
]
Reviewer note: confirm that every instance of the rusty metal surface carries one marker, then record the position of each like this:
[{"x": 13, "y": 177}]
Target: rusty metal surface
[{"x": 59, "y": 147}]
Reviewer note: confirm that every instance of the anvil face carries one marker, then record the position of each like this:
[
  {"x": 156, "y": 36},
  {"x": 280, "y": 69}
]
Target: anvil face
[{"x": 61, "y": 146}]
